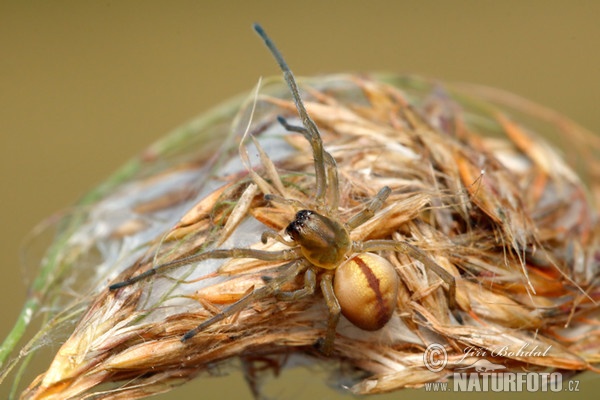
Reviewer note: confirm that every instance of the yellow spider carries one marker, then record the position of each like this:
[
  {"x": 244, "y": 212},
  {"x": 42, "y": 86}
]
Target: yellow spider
[{"x": 363, "y": 286}]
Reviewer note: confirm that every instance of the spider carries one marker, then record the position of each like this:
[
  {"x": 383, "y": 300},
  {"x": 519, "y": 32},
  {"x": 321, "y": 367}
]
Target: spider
[{"x": 354, "y": 281}]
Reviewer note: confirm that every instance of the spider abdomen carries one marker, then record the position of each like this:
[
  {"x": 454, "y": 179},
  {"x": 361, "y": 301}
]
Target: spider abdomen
[{"x": 366, "y": 287}]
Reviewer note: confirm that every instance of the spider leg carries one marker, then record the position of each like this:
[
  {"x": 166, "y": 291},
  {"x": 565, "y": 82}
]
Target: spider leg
[
  {"x": 310, "y": 283},
  {"x": 333, "y": 192},
  {"x": 412, "y": 251},
  {"x": 334, "y": 312},
  {"x": 313, "y": 135},
  {"x": 266, "y": 235},
  {"x": 282, "y": 255},
  {"x": 270, "y": 288},
  {"x": 371, "y": 208},
  {"x": 282, "y": 200}
]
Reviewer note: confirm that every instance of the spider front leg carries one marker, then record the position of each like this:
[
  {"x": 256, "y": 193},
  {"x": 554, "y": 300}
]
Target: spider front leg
[
  {"x": 271, "y": 287},
  {"x": 412, "y": 251},
  {"x": 312, "y": 132},
  {"x": 331, "y": 192}
]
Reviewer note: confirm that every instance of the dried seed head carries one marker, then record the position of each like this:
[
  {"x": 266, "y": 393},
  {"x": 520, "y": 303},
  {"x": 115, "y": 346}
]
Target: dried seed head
[{"x": 521, "y": 242}]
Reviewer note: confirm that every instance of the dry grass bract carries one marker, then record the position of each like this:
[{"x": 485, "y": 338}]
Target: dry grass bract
[{"x": 482, "y": 195}]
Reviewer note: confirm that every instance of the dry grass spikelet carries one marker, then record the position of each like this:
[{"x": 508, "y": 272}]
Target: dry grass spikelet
[{"x": 480, "y": 193}]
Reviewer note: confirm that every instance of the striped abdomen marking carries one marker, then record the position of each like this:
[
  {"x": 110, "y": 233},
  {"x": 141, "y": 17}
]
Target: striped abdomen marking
[{"x": 366, "y": 286}]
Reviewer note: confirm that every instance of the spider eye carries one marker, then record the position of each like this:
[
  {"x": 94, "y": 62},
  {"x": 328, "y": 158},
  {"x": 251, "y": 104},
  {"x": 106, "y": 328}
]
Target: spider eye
[
  {"x": 297, "y": 227},
  {"x": 303, "y": 215}
]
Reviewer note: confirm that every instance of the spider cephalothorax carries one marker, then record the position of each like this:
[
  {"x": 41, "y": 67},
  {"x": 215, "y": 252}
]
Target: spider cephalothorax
[
  {"x": 354, "y": 281},
  {"x": 323, "y": 241}
]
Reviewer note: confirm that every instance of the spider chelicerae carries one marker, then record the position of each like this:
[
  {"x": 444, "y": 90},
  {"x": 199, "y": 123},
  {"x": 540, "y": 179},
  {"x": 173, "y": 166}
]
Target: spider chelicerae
[{"x": 353, "y": 280}]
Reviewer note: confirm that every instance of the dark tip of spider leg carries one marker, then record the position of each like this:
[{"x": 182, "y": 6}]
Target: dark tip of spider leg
[
  {"x": 319, "y": 343},
  {"x": 272, "y": 48},
  {"x": 266, "y": 278},
  {"x": 292, "y": 128},
  {"x": 115, "y": 286},
  {"x": 320, "y": 346},
  {"x": 458, "y": 317},
  {"x": 118, "y": 285},
  {"x": 256, "y": 26},
  {"x": 188, "y": 335},
  {"x": 133, "y": 279},
  {"x": 282, "y": 121}
]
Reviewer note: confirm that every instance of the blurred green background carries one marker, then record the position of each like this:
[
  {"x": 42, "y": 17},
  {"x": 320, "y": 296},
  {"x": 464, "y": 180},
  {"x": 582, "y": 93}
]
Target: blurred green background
[{"x": 86, "y": 85}]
